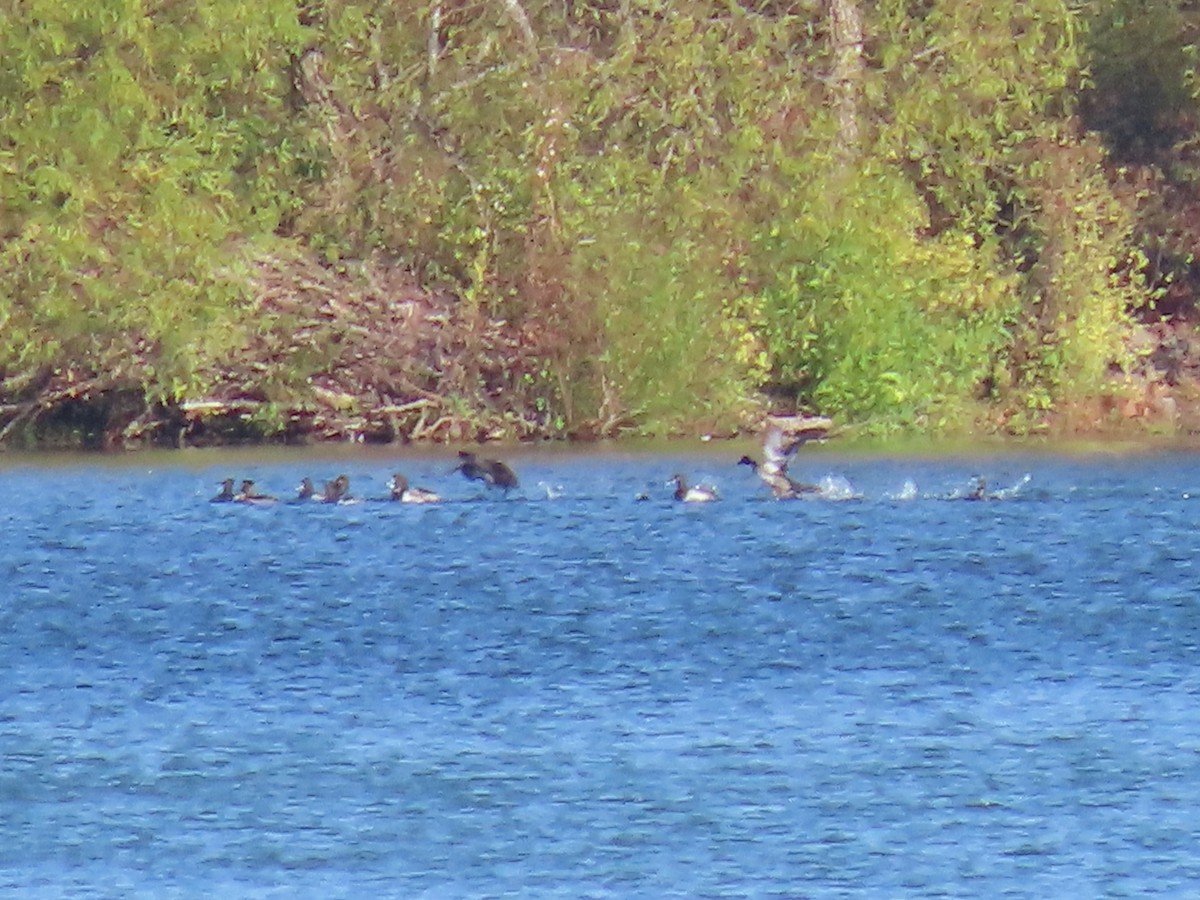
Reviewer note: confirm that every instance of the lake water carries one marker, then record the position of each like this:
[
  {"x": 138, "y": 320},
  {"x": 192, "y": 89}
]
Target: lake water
[{"x": 899, "y": 694}]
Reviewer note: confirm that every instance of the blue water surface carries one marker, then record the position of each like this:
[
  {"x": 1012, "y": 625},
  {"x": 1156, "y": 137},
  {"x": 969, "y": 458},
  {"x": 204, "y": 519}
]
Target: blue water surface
[{"x": 569, "y": 692}]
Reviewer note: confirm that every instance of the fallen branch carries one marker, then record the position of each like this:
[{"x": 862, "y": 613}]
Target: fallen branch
[{"x": 32, "y": 408}]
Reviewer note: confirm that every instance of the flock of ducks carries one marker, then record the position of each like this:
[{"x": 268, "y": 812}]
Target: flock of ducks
[
  {"x": 491, "y": 472},
  {"x": 779, "y": 447},
  {"x": 778, "y": 450}
]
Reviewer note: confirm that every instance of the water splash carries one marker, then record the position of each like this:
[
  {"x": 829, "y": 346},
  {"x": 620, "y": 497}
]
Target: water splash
[
  {"x": 979, "y": 489},
  {"x": 1012, "y": 490},
  {"x": 552, "y": 491},
  {"x": 908, "y": 491},
  {"x": 837, "y": 487}
]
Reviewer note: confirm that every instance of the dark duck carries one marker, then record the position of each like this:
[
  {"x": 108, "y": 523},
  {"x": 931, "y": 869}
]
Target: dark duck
[
  {"x": 402, "y": 492},
  {"x": 250, "y": 494},
  {"x": 225, "y": 495},
  {"x": 491, "y": 472},
  {"x": 337, "y": 490},
  {"x": 979, "y": 491},
  {"x": 778, "y": 449}
]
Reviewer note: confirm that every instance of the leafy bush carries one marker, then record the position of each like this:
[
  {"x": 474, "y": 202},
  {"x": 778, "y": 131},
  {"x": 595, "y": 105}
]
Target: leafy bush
[
  {"x": 1140, "y": 94},
  {"x": 137, "y": 158},
  {"x": 1083, "y": 283},
  {"x": 663, "y": 209},
  {"x": 866, "y": 316}
]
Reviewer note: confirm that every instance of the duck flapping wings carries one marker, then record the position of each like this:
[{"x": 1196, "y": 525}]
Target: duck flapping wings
[{"x": 779, "y": 446}]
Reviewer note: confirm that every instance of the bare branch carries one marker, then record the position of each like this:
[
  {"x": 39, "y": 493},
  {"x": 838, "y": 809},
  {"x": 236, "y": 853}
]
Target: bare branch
[
  {"x": 435, "y": 45},
  {"x": 517, "y": 13}
]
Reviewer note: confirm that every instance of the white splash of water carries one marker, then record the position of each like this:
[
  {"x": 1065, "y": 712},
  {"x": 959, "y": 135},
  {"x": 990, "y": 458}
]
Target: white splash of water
[
  {"x": 836, "y": 487},
  {"x": 552, "y": 491},
  {"x": 908, "y": 491},
  {"x": 1013, "y": 490}
]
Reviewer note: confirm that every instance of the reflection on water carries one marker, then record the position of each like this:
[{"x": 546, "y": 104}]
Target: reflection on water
[{"x": 572, "y": 693}]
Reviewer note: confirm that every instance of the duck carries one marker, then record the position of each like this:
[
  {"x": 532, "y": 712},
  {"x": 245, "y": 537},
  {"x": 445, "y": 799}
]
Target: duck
[
  {"x": 226, "y": 493},
  {"x": 979, "y": 491},
  {"x": 402, "y": 493},
  {"x": 305, "y": 492},
  {"x": 778, "y": 450},
  {"x": 249, "y": 494},
  {"x": 697, "y": 494},
  {"x": 337, "y": 491},
  {"x": 492, "y": 472}
]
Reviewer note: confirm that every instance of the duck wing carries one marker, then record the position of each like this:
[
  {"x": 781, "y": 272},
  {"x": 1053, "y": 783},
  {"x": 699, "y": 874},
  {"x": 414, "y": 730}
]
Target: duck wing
[
  {"x": 778, "y": 449},
  {"x": 500, "y": 475},
  {"x": 777, "y": 453}
]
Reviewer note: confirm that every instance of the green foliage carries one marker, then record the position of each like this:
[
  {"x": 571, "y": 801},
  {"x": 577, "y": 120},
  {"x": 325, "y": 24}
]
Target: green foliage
[
  {"x": 137, "y": 157},
  {"x": 664, "y": 203},
  {"x": 1002, "y": 161},
  {"x": 1084, "y": 283},
  {"x": 654, "y": 195},
  {"x": 963, "y": 88},
  {"x": 1141, "y": 91},
  {"x": 679, "y": 352},
  {"x": 868, "y": 317},
  {"x": 561, "y": 187}
]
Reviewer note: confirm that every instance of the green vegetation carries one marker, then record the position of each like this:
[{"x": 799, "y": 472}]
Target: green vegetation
[{"x": 440, "y": 220}]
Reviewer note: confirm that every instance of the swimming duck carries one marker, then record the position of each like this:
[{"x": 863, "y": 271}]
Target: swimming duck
[
  {"x": 778, "y": 450},
  {"x": 402, "y": 493},
  {"x": 226, "y": 494},
  {"x": 337, "y": 491},
  {"x": 492, "y": 472},
  {"x": 979, "y": 492},
  {"x": 249, "y": 494},
  {"x": 305, "y": 492},
  {"x": 698, "y": 494}
]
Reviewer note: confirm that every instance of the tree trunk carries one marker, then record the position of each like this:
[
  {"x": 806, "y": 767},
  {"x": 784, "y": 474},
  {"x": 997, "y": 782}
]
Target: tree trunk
[{"x": 846, "y": 32}]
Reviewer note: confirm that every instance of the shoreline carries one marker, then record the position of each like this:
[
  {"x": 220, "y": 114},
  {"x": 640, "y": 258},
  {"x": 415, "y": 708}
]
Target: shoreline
[{"x": 909, "y": 448}]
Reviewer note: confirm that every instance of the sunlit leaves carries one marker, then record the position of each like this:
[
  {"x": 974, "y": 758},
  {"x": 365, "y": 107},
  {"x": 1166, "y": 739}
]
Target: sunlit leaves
[
  {"x": 125, "y": 128},
  {"x": 659, "y": 186}
]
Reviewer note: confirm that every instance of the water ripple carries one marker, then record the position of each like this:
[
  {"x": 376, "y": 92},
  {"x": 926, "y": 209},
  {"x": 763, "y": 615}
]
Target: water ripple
[{"x": 577, "y": 694}]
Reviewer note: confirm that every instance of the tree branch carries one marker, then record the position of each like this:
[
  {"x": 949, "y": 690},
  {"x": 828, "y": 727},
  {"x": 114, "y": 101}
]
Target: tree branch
[{"x": 517, "y": 13}]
